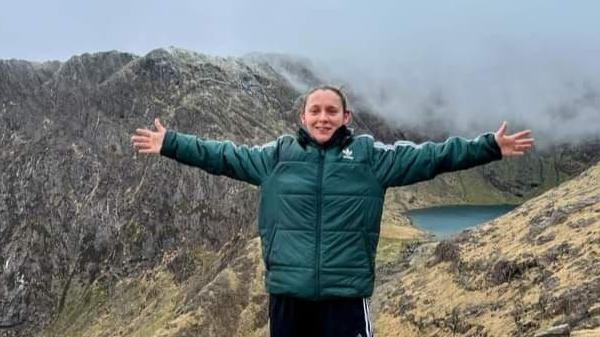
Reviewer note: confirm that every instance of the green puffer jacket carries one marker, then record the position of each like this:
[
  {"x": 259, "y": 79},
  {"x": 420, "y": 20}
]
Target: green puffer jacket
[{"x": 321, "y": 205}]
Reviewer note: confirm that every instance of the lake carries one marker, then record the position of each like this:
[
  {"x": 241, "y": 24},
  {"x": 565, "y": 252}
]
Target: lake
[{"x": 446, "y": 221}]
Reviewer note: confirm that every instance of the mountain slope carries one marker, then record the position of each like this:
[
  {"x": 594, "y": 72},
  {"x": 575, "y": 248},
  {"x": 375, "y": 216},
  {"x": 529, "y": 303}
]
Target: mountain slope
[
  {"x": 535, "y": 267},
  {"x": 531, "y": 269}
]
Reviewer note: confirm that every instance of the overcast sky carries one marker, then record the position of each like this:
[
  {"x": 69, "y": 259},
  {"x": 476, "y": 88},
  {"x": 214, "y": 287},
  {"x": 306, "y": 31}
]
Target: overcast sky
[
  {"x": 485, "y": 61},
  {"x": 43, "y": 30}
]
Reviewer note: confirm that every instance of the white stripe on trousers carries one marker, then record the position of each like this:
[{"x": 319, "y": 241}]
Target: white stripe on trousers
[{"x": 368, "y": 327}]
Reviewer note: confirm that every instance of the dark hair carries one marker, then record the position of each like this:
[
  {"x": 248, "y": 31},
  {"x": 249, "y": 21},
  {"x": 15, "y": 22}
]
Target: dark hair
[{"x": 301, "y": 105}]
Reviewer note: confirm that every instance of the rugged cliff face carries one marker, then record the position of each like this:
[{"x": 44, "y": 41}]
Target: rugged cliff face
[
  {"x": 91, "y": 231},
  {"x": 76, "y": 203}
]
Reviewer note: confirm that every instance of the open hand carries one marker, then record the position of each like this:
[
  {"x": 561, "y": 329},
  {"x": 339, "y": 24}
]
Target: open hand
[
  {"x": 148, "y": 141},
  {"x": 513, "y": 145}
]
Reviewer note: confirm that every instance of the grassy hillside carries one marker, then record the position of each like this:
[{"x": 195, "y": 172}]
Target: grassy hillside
[{"x": 534, "y": 268}]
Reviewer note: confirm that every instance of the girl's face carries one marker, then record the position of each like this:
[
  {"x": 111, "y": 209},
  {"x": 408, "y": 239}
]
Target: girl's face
[{"x": 324, "y": 114}]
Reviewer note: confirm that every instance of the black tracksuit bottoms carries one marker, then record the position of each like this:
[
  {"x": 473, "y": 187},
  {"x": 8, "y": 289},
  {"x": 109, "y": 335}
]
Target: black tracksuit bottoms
[{"x": 343, "y": 317}]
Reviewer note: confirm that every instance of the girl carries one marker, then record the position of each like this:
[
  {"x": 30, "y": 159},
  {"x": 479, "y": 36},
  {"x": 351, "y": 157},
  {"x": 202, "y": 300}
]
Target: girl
[{"x": 322, "y": 194}]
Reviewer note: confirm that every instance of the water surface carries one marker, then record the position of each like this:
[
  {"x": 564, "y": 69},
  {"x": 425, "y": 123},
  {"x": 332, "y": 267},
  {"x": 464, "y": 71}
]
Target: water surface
[{"x": 446, "y": 221}]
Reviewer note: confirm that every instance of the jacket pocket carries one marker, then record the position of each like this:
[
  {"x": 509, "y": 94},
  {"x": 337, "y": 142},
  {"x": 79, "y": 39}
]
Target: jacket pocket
[
  {"x": 367, "y": 247},
  {"x": 271, "y": 241}
]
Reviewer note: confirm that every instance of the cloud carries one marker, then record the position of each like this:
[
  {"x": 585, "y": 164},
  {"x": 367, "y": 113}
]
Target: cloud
[{"x": 551, "y": 87}]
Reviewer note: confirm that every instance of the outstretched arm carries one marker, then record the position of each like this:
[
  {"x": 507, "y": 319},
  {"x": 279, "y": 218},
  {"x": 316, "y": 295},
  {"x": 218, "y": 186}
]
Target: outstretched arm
[
  {"x": 405, "y": 162},
  {"x": 249, "y": 164}
]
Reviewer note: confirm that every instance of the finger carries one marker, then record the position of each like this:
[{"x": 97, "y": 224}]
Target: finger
[
  {"x": 147, "y": 151},
  {"x": 144, "y": 132},
  {"x": 525, "y": 144},
  {"x": 525, "y": 141},
  {"x": 142, "y": 145},
  {"x": 140, "y": 139},
  {"x": 521, "y": 134},
  {"x": 522, "y": 147},
  {"x": 502, "y": 129},
  {"x": 513, "y": 153}
]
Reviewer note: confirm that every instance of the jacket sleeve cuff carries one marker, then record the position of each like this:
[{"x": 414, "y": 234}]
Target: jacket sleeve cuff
[
  {"x": 495, "y": 148},
  {"x": 169, "y": 145}
]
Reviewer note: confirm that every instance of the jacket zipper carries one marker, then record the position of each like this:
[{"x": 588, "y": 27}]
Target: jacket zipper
[{"x": 319, "y": 200}]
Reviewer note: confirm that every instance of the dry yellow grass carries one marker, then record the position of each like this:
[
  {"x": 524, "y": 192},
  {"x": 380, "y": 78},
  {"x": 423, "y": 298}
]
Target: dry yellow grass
[{"x": 435, "y": 291}]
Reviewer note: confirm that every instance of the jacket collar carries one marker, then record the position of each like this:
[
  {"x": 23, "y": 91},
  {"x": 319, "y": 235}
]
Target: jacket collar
[{"x": 341, "y": 137}]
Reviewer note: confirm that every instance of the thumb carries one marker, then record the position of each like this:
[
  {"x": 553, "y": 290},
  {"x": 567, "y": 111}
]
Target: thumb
[
  {"x": 159, "y": 126},
  {"x": 502, "y": 129}
]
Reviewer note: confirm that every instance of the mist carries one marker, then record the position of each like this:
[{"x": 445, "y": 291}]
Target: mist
[{"x": 554, "y": 90}]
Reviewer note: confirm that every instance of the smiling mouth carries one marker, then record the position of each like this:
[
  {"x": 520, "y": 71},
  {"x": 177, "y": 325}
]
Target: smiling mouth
[{"x": 321, "y": 129}]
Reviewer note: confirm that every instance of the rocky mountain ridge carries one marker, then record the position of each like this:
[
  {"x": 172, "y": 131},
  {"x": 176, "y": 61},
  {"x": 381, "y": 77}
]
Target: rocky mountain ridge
[{"x": 80, "y": 213}]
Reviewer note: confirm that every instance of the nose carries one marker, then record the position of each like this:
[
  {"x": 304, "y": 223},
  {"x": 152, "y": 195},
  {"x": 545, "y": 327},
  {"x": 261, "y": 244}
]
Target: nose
[{"x": 322, "y": 117}]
